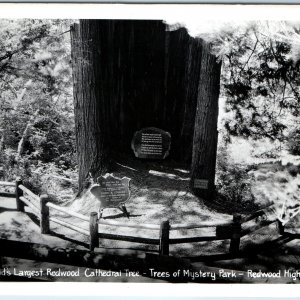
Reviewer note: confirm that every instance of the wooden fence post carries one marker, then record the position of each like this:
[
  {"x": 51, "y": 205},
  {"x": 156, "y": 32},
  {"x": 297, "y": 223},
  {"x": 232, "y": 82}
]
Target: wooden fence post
[
  {"x": 94, "y": 239},
  {"x": 236, "y": 234},
  {"x": 19, "y": 193},
  {"x": 164, "y": 234},
  {"x": 280, "y": 227},
  {"x": 44, "y": 220}
]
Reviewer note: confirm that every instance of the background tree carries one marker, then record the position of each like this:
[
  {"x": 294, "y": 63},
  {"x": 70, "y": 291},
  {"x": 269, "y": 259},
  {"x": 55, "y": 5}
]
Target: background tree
[{"x": 260, "y": 78}]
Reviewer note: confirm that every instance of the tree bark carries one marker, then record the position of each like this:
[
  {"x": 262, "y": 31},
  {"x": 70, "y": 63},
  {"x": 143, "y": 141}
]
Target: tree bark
[
  {"x": 89, "y": 101},
  {"x": 205, "y": 130}
]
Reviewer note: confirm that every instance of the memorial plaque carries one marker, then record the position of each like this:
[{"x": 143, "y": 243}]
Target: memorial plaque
[
  {"x": 151, "y": 143},
  {"x": 201, "y": 184},
  {"x": 111, "y": 191}
]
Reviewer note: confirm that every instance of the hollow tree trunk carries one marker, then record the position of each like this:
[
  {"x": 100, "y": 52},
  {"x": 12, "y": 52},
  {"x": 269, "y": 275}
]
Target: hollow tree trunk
[
  {"x": 205, "y": 130},
  {"x": 89, "y": 101},
  {"x": 129, "y": 75}
]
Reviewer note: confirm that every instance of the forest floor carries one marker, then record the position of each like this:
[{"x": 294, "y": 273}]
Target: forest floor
[{"x": 162, "y": 191}]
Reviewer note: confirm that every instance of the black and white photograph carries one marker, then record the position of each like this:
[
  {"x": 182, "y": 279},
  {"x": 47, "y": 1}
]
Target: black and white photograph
[{"x": 156, "y": 150}]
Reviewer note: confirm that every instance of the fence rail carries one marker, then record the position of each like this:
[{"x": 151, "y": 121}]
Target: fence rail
[
  {"x": 30, "y": 204},
  {"x": 6, "y": 183},
  {"x": 206, "y": 224},
  {"x": 29, "y": 192},
  {"x": 68, "y": 212},
  {"x": 125, "y": 238},
  {"x": 122, "y": 224},
  {"x": 70, "y": 226},
  {"x": 194, "y": 239},
  {"x": 232, "y": 230},
  {"x": 7, "y": 194}
]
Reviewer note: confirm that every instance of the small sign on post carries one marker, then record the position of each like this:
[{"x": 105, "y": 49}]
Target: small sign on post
[
  {"x": 112, "y": 191},
  {"x": 201, "y": 184},
  {"x": 151, "y": 143}
]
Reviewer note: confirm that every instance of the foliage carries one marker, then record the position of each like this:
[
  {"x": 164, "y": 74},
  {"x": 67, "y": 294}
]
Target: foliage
[
  {"x": 40, "y": 177},
  {"x": 36, "y": 90},
  {"x": 36, "y": 105},
  {"x": 260, "y": 78},
  {"x": 233, "y": 180}
]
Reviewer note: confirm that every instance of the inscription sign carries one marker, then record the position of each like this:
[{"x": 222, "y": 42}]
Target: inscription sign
[
  {"x": 111, "y": 191},
  {"x": 201, "y": 184},
  {"x": 151, "y": 143}
]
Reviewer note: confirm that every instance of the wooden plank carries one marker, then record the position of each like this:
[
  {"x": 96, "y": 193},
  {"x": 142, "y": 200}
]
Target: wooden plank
[
  {"x": 32, "y": 203},
  {"x": 29, "y": 203},
  {"x": 29, "y": 192},
  {"x": 7, "y": 195},
  {"x": 6, "y": 183},
  {"x": 68, "y": 212},
  {"x": 256, "y": 214},
  {"x": 133, "y": 239},
  {"x": 195, "y": 239},
  {"x": 70, "y": 226},
  {"x": 122, "y": 224},
  {"x": 200, "y": 225},
  {"x": 256, "y": 227},
  {"x": 253, "y": 216}
]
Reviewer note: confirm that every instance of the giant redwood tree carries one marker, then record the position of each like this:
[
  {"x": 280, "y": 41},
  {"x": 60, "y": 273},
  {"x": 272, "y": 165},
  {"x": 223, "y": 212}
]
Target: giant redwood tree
[{"x": 129, "y": 75}]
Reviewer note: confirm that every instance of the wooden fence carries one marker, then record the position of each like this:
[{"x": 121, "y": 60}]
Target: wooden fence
[{"x": 233, "y": 229}]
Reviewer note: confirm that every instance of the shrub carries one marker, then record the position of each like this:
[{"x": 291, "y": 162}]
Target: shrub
[
  {"x": 37, "y": 176},
  {"x": 233, "y": 180}
]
